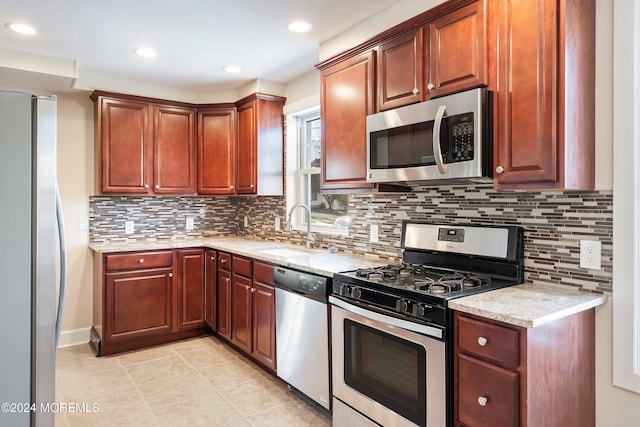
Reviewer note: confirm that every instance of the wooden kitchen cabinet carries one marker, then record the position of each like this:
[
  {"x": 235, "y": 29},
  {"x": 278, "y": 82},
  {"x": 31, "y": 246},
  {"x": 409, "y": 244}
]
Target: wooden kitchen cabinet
[
  {"x": 545, "y": 124},
  {"x": 210, "y": 287},
  {"x": 400, "y": 70},
  {"x": 224, "y": 295},
  {"x": 260, "y": 145},
  {"x": 241, "y": 303},
  {"x": 143, "y": 146},
  {"x": 217, "y": 150},
  {"x": 190, "y": 288},
  {"x": 457, "y": 56},
  {"x": 347, "y": 96},
  {"x": 264, "y": 315},
  {"x": 506, "y": 375},
  {"x": 146, "y": 298}
]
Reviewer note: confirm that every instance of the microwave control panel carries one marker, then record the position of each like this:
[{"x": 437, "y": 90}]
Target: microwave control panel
[{"x": 461, "y": 136}]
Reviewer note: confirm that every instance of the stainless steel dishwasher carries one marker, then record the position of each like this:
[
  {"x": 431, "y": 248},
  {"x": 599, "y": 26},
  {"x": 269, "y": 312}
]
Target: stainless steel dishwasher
[{"x": 302, "y": 333}]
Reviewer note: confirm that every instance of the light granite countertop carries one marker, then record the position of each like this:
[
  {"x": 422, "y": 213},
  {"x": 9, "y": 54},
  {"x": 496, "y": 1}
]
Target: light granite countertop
[
  {"x": 317, "y": 261},
  {"x": 527, "y": 305}
]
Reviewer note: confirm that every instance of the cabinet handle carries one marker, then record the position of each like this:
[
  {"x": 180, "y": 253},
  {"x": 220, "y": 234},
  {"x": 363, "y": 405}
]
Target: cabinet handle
[
  {"x": 141, "y": 261},
  {"x": 170, "y": 274},
  {"x": 431, "y": 86},
  {"x": 416, "y": 91},
  {"x": 500, "y": 169},
  {"x": 482, "y": 341},
  {"x": 227, "y": 279},
  {"x": 482, "y": 401},
  {"x": 146, "y": 186},
  {"x": 213, "y": 258}
]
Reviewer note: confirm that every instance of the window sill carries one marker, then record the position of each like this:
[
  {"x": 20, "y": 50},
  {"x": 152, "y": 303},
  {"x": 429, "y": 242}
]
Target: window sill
[{"x": 326, "y": 229}]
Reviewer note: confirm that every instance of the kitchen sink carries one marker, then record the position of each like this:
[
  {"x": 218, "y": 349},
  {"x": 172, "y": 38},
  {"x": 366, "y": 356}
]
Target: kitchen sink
[{"x": 284, "y": 252}]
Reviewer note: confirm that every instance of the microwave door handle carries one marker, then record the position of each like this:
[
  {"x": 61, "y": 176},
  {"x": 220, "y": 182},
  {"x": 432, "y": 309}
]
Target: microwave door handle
[{"x": 437, "y": 152}]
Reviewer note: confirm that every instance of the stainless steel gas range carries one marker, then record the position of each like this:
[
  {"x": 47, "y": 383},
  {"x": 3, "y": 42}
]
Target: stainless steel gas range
[{"x": 391, "y": 327}]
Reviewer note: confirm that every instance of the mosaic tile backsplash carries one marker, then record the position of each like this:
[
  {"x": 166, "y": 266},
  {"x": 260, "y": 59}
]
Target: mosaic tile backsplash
[{"x": 554, "y": 223}]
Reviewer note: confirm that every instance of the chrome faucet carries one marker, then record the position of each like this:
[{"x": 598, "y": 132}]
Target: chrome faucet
[{"x": 311, "y": 238}]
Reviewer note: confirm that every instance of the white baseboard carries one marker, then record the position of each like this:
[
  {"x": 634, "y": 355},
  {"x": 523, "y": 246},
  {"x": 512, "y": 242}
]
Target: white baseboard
[{"x": 74, "y": 337}]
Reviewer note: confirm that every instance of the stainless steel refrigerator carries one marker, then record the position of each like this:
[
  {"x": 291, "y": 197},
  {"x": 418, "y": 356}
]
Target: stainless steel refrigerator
[{"x": 28, "y": 258}]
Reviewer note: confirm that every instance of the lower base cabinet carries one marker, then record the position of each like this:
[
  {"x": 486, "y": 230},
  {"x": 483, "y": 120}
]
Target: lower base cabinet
[{"x": 506, "y": 375}]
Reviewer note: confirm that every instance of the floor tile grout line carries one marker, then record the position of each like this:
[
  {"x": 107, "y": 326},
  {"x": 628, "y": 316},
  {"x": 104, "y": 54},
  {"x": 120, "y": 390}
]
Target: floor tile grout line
[{"x": 144, "y": 399}]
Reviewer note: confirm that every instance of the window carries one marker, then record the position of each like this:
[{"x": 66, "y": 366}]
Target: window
[
  {"x": 626, "y": 195},
  {"x": 328, "y": 211}
]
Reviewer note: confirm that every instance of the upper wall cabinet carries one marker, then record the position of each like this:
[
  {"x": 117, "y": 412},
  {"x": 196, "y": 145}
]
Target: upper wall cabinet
[
  {"x": 217, "y": 150},
  {"x": 545, "y": 94},
  {"x": 457, "y": 54},
  {"x": 260, "y": 145},
  {"x": 144, "y": 148}
]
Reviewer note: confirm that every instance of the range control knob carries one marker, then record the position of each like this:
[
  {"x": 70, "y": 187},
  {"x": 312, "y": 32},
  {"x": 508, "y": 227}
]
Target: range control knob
[
  {"x": 356, "y": 293},
  {"x": 345, "y": 290},
  {"x": 421, "y": 310},
  {"x": 403, "y": 306}
]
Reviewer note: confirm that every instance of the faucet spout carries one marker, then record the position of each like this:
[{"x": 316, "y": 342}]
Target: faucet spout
[{"x": 310, "y": 236}]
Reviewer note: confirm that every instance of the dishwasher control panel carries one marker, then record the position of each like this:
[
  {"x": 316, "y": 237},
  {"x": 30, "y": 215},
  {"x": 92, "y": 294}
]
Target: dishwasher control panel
[{"x": 300, "y": 282}]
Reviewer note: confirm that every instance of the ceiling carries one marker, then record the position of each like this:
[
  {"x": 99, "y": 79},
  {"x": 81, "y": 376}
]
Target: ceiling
[{"x": 194, "y": 39}]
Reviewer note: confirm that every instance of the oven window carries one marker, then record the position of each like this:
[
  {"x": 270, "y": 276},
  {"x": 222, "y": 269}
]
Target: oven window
[{"x": 386, "y": 368}]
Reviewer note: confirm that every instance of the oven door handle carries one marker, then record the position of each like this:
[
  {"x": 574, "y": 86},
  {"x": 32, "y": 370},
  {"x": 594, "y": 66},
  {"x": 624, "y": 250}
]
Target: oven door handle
[
  {"x": 437, "y": 151},
  {"x": 378, "y": 317}
]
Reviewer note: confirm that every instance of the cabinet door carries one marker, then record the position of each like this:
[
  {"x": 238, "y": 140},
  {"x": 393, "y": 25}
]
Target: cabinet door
[
  {"x": 190, "y": 295},
  {"x": 217, "y": 151},
  {"x": 400, "y": 70},
  {"x": 125, "y": 146},
  {"x": 137, "y": 303},
  {"x": 264, "y": 324},
  {"x": 346, "y": 98},
  {"x": 224, "y": 303},
  {"x": 488, "y": 394},
  {"x": 247, "y": 148},
  {"x": 210, "y": 288},
  {"x": 241, "y": 312},
  {"x": 458, "y": 50},
  {"x": 174, "y": 150},
  {"x": 526, "y": 149}
]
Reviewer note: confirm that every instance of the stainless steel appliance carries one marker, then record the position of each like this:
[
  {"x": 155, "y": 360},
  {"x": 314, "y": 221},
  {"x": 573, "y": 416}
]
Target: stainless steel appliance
[
  {"x": 392, "y": 329},
  {"x": 302, "y": 333},
  {"x": 28, "y": 258},
  {"x": 441, "y": 139}
]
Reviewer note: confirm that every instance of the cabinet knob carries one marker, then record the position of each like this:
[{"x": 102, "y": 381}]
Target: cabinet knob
[
  {"x": 252, "y": 186},
  {"x": 247, "y": 287},
  {"x": 227, "y": 279},
  {"x": 231, "y": 187},
  {"x": 157, "y": 186},
  {"x": 213, "y": 258},
  {"x": 431, "y": 86},
  {"x": 416, "y": 91},
  {"x": 223, "y": 261},
  {"x": 253, "y": 289},
  {"x": 170, "y": 274},
  {"x": 482, "y": 401},
  {"x": 482, "y": 341},
  {"x": 499, "y": 169},
  {"x": 146, "y": 186},
  {"x": 141, "y": 261}
]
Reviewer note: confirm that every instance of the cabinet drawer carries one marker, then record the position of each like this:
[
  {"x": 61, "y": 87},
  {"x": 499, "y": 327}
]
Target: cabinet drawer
[
  {"x": 138, "y": 260},
  {"x": 487, "y": 394},
  {"x": 488, "y": 341},
  {"x": 241, "y": 266},
  {"x": 224, "y": 261},
  {"x": 263, "y": 272}
]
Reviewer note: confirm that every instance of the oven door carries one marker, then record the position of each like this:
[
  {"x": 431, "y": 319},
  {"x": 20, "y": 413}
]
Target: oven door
[{"x": 392, "y": 375}]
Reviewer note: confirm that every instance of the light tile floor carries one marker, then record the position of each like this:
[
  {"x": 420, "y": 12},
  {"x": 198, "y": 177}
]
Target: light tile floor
[{"x": 197, "y": 382}]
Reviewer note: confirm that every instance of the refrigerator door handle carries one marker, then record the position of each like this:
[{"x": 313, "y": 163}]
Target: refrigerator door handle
[{"x": 63, "y": 263}]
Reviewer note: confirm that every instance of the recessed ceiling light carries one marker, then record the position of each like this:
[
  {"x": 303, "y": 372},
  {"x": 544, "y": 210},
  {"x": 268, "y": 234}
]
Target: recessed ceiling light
[
  {"x": 145, "y": 52},
  {"x": 232, "y": 69},
  {"x": 20, "y": 28},
  {"x": 300, "y": 27}
]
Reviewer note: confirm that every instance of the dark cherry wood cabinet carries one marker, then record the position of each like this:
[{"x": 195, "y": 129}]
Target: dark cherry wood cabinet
[
  {"x": 347, "y": 96},
  {"x": 217, "y": 150},
  {"x": 210, "y": 287},
  {"x": 260, "y": 145},
  {"x": 224, "y": 295},
  {"x": 146, "y": 298},
  {"x": 241, "y": 302},
  {"x": 457, "y": 57},
  {"x": 264, "y": 315},
  {"x": 144, "y": 146},
  {"x": 545, "y": 124},
  {"x": 400, "y": 70},
  {"x": 190, "y": 288},
  {"x": 506, "y": 375}
]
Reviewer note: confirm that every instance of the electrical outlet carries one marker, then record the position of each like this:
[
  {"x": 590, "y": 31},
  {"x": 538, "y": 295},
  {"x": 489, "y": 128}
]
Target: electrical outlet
[
  {"x": 189, "y": 225},
  {"x": 590, "y": 254},
  {"x": 277, "y": 224},
  {"x": 128, "y": 227},
  {"x": 83, "y": 223},
  {"x": 373, "y": 233},
  {"x": 246, "y": 221}
]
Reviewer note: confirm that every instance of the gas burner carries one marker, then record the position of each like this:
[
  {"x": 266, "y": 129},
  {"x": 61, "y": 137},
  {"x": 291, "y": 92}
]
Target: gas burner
[
  {"x": 423, "y": 284},
  {"x": 375, "y": 276},
  {"x": 439, "y": 288}
]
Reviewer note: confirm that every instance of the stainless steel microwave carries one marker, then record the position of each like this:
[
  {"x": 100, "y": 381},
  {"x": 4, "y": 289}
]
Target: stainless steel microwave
[{"x": 446, "y": 138}]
